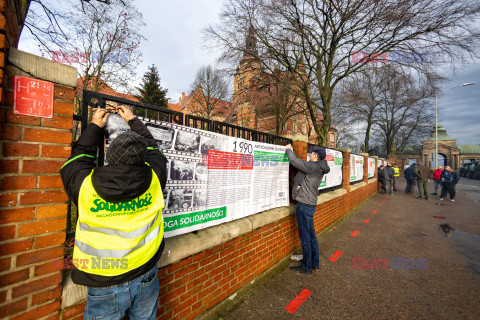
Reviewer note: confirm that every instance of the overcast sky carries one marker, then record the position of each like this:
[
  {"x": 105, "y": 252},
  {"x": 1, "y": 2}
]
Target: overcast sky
[{"x": 175, "y": 45}]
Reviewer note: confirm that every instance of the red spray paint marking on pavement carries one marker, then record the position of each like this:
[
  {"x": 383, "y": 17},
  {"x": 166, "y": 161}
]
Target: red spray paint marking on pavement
[
  {"x": 374, "y": 211},
  {"x": 354, "y": 233},
  {"x": 437, "y": 217},
  {"x": 366, "y": 221},
  {"x": 384, "y": 199},
  {"x": 335, "y": 256},
  {"x": 297, "y": 302},
  {"x": 379, "y": 204}
]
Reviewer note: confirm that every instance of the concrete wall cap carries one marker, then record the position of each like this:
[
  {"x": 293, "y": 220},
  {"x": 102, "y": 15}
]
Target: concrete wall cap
[
  {"x": 42, "y": 68},
  {"x": 345, "y": 150}
]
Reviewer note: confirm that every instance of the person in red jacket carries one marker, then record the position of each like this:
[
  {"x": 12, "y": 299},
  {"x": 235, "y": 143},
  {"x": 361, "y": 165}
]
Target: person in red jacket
[{"x": 436, "y": 178}]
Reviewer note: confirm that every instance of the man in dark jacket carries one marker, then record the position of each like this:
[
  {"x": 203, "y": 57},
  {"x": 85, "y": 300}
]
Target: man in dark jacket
[
  {"x": 423, "y": 176},
  {"x": 447, "y": 183},
  {"x": 389, "y": 177},
  {"x": 410, "y": 177},
  {"x": 305, "y": 191},
  {"x": 119, "y": 233},
  {"x": 381, "y": 179}
]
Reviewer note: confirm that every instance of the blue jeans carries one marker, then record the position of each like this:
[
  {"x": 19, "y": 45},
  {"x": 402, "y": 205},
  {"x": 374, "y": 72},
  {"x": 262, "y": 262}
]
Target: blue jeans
[
  {"x": 437, "y": 183},
  {"x": 308, "y": 238},
  {"x": 138, "y": 298}
]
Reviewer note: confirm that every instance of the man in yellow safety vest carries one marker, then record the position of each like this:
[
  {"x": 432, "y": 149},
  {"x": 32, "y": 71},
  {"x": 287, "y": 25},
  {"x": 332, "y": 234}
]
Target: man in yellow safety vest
[
  {"x": 119, "y": 233},
  {"x": 396, "y": 175}
]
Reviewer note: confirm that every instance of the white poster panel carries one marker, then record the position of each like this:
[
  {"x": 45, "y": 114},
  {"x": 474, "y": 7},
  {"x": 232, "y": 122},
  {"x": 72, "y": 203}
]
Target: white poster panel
[
  {"x": 371, "y": 167},
  {"x": 214, "y": 178},
  {"x": 356, "y": 167},
  {"x": 334, "y": 177}
]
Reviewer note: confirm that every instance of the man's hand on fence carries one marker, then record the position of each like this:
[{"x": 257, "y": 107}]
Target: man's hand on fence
[
  {"x": 125, "y": 113},
  {"x": 100, "y": 117},
  {"x": 289, "y": 146}
]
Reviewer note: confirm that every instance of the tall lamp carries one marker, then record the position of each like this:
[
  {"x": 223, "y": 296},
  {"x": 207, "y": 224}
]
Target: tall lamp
[{"x": 436, "y": 118}]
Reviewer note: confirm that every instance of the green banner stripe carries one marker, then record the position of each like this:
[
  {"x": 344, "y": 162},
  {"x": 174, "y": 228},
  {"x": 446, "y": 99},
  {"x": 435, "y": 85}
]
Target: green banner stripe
[
  {"x": 270, "y": 156},
  {"x": 194, "y": 218}
]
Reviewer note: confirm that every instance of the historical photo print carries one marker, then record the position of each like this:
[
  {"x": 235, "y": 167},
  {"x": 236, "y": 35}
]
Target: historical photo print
[
  {"x": 210, "y": 144},
  {"x": 199, "y": 198},
  {"x": 163, "y": 135},
  {"x": 187, "y": 142},
  {"x": 200, "y": 172},
  {"x": 181, "y": 170},
  {"x": 180, "y": 199}
]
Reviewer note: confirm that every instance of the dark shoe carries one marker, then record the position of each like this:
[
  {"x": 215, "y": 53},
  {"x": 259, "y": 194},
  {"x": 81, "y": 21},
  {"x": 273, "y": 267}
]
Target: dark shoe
[
  {"x": 433, "y": 194},
  {"x": 419, "y": 197},
  {"x": 300, "y": 270},
  {"x": 315, "y": 269},
  {"x": 426, "y": 198}
]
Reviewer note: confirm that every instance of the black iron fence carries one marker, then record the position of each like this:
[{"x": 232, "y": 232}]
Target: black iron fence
[{"x": 100, "y": 100}]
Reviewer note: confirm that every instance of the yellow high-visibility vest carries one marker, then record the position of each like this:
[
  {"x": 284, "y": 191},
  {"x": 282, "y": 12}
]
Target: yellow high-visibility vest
[
  {"x": 397, "y": 172},
  {"x": 114, "y": 238}
]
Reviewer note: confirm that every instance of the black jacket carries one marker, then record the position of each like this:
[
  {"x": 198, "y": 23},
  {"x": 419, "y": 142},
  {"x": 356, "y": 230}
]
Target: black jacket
[{"x": 113, "y": 184}]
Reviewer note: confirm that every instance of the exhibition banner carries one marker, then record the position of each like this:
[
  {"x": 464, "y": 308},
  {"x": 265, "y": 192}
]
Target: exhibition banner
[
  {"x": 356, "y": 167},
  {"x": 334, "y": 177},
  {"x": 371, "y": 167},
  {"x": 214, "y": 178}
]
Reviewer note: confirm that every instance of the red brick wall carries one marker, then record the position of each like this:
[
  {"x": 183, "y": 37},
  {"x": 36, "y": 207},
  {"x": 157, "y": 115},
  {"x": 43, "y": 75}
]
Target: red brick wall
[{"x": 33, "y": 207}]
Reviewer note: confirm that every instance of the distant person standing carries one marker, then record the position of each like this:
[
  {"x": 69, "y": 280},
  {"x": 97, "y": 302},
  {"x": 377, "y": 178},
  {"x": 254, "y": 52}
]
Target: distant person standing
[
  {"x": 381, "y": 179},
  {"x": 396, "y": 175},
  {"x": 436, "y": 178},
  {"x": 423, "y": 175},
  {"x": 389, "y": 176},
  {"x": 447, "y": 184},
  {"x": 305, "y": 192},
  {"x": 456, "y": 178},
  {"x": 410, "y": 177}
]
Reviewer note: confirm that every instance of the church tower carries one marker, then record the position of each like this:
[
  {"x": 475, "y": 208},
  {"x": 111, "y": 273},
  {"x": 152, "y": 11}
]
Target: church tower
[{"x": 248, "y": 68}]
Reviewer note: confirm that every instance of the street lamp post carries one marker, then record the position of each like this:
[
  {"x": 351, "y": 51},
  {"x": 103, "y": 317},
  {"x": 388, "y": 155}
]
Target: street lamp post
[{"x": 436, "y": 118}]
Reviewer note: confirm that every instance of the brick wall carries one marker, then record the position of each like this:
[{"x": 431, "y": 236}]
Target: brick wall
[{"x": 33, "y": 205}]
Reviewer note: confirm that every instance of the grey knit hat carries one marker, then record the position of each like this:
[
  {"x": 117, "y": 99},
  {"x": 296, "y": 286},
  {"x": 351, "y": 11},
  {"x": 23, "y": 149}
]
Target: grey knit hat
[{"x": 128, "y": 149}]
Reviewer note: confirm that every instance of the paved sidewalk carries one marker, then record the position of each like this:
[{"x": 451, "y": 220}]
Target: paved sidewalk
[{"x": 442, "y": 282}]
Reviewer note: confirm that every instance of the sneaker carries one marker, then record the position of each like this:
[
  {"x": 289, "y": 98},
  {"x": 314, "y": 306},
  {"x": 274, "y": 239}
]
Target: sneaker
[
  {"x": 433, "y": 194},
  {"x": 419, "y": 197},
  {"x": 315, "y": 269},
  {"x": 426, "y": 198},
  {"x": 453, "y": 200},
  {"x": 301, "y": 270},
  {"x": 441, "y": 199}
]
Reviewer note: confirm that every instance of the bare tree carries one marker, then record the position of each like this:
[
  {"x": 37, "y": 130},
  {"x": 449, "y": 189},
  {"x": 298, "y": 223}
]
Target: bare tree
[
  {"x": 210, "y": 92},
  {"x": 101, "y": 39},
  {"x": 405, "y": 110},
  {"x": 322, "y": 36}
]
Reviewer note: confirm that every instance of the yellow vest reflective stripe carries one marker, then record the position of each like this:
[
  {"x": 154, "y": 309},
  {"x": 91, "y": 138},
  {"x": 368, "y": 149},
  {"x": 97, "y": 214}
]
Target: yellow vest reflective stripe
[
  {"x": 114, "y": 238},
  {"x": 397, "y": 172}
]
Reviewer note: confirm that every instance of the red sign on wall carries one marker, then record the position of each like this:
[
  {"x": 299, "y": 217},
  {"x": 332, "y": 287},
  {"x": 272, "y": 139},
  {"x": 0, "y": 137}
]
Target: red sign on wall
[{"x": 33, "y": 97}]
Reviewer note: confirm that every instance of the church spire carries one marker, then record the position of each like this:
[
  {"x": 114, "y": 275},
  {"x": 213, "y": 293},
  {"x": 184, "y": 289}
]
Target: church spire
[{"x": 251, "y": 52}]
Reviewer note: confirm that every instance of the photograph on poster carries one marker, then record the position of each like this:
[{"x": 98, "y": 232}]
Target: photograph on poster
[
  {"x": 187, "y": 142},
  {"x": 163, "y": 135},
  {"x": 210, "y": 144},
  {"x": 179, "y": 199},
  {"x": 200, "y": 172},
  {"x": 115, "y": 126},
  {"x": 199, "y": 198},
  {"x": 181, "y": 170}
]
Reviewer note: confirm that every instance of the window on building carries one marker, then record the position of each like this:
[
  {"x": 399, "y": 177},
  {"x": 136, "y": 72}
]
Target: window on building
[
  {"x": 304, "y": 128},
  {"x": 332, "y": 137},
  {"x": 294, "y": 127}
]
